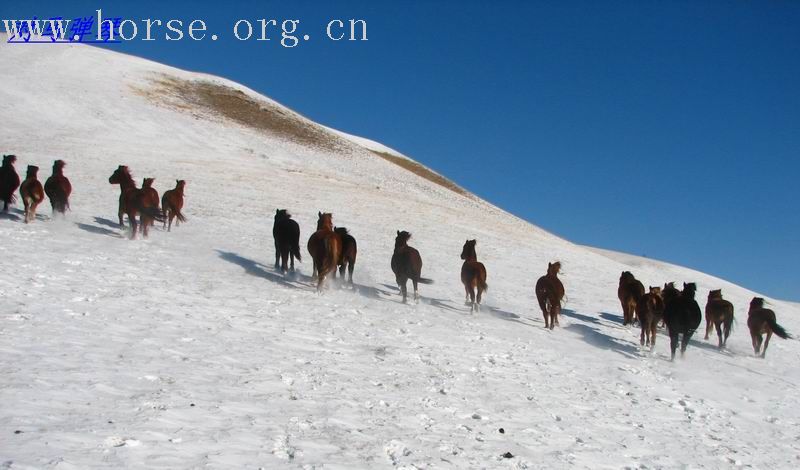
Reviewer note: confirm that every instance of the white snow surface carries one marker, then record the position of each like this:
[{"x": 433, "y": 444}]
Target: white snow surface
[{"x": 188, "y": 350}]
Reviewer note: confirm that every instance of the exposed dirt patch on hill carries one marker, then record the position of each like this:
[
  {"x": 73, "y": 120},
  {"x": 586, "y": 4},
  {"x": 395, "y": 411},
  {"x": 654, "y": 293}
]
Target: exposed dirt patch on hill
[
  {"x": 420, "y": 170},
  {"x": 235, "y": 105}
]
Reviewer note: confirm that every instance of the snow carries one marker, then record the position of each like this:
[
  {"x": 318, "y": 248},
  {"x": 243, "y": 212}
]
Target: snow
[{"x": 189, "y": 350}]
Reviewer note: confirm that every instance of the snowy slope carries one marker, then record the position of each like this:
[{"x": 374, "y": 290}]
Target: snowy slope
[{"x": 187, "y": 350}]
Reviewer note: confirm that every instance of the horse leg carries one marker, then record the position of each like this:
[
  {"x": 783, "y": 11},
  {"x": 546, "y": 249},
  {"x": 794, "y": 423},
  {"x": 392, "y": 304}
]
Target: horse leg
[
  {"x": 718, "y": 326},
  {"x": 641, "y": 337},
  {"x": 284, "y": 261},
  {"x": 171, "y": 217},
  {"x": 653, "y": 327},
  {"x": 709, "y": 326},
  {"x": 350, "y": 267},
  {"x": 726, "y": 331},
  {"x": 416, "y": 290},
  {"x": 144, "y": 222},
  {"x": 133, "y": 224},
  {"x": 471, "y": 292},
  {"x": 555, "y": 313},
  {"x": 673, "y": 345},
  {"x": 766, "y": 344},
  {"x": 480, "y": 294}
]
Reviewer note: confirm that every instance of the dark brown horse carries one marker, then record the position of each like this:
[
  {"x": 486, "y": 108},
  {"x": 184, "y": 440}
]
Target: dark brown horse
[
  {"x": 32, "y": 193},
  {"x": 172, "y": 204},
  {"x": 134, "y": 201},
  {"x": 761, "y": 321},
  {"x": 9, "y": 181},
  {"x": 407, "y": 264},
  {"x": 681, "y": 314},
  {"x": 629, "y": 292},
  {"x": 286, "y": 233},
  {"x": 473, "y": 275},
  {"x": 349, "y": 253},
  {"x": 719, "y": 314},
  {"x": 549, "y": 294},
  {"x": 650, "y": 311},
  {"x": 58, "y": 188},
  {"x": 325, "y": 247}
]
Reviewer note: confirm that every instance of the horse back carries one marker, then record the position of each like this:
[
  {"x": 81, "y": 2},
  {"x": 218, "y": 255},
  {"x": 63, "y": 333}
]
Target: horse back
[
  {"x": 759, "y": 320},
  {"x": 407, "y": 262}
]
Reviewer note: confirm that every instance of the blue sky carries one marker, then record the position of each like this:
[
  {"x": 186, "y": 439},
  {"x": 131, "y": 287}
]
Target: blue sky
[{"x": 669, "y": 129}]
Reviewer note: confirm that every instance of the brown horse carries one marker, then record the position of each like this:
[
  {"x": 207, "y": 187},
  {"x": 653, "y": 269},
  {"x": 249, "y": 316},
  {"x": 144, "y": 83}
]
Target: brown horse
[
  {"x": 349, "y": 253},
  {"x": 407, "y": 264},
  {"x": 550, "y": 293},
  {"x": 473, "y": 275},
  {"x": 762, "y": 320},
  {"x": 32, "y": 193},
  {"x": 650, "y": 311},
  {"x": 58, "y": 188},
  {"x": 134, "y": 201},
  {"x": 719, "y": 314},
  {"x": 629, "y": 292},
  {"x": 325, "y": 247},
  {"x": 172, "y": 203},
  {"x": 9, "y": 181}
]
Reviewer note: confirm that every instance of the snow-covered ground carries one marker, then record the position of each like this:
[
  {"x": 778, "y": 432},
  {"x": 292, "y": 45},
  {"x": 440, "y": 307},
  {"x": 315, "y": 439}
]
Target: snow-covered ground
[{"x": 188, "y": 350}]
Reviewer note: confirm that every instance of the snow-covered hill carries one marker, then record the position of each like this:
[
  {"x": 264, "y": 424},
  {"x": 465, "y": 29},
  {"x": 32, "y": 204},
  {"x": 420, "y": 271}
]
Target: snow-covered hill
[{"x": 188, "y": 350}]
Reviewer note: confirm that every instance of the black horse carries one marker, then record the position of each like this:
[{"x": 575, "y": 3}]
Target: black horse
[
  {"x": 407, "y": 264},
  {"x": 682, "y": 315},
  {"x": 9, "y": 181},
  {"x": 349, "y": 253},
  {"x": 286, "y": 233}
]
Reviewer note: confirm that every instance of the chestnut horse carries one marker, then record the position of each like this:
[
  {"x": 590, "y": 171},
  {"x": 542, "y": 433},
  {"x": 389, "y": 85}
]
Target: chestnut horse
[
  {"x": 172, "y": 203},
  {"x": 407, "y": 264},
  {"x": 550, "y": 293},
  {"x": 325, "y": 247},
  {"x": 349, "y": 253},
  {"x": 681, "y": 314},
  {"x": 134, "y": 201},
  {"x": 286, "y": 233},
  {"x": 719, "y": 314},
  {"x": 650, "y": 311},
  {"x": 32, "y": 193},
  {"x": 9, "y": 181},
  {"x": 629, "y": 292},
  {"x": 473, "y": 275},
  {"x": 762, "y": 320},
  {"x": 58, "y": 188}
]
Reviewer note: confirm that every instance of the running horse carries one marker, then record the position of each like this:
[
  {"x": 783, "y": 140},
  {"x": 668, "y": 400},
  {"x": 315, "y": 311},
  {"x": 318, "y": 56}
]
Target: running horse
[
  {"x": 349, "y": 253},
  {"x": 325, "y": 247},
  {"x": 629, "y": 292},
  {"x": 134, "y": 201},
  {"x": 549, "y": 294},
  {"x": 58, "y": 188},
  {"x": 32, "y": 193},
  {"x": 719, "y": 315},
  {"x": 286, "y": 234},
  {"x": 761, "y": 321},
  {"x": 407, "y": 264},
  {"x": 9, "y": 181},
  {"x": 473, "y": 275},
  {"x": 172, "y": 203},
  {"x": 681, "y": 315},
  {"x": 650, "y": 311}
]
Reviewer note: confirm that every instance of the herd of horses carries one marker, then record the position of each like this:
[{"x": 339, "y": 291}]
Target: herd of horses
[
  {"x": 334, "y": 249},
  {"x": 679, "y": 312}
]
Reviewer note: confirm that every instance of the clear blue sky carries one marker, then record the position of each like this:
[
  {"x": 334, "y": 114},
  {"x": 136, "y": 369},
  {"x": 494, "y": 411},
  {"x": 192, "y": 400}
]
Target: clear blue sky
[{"x": 664, "y": 128}]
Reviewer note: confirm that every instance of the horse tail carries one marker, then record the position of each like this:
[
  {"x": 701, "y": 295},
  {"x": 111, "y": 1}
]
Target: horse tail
[
  {"x": 153, "y": 212},
  {"x": 424, "y": 280},
  {"x": 179, "y": 214},
  {"x": 777, "y": 329},
  {"x": 295, "y": 249},
  {"x": 329, "y": 261}
]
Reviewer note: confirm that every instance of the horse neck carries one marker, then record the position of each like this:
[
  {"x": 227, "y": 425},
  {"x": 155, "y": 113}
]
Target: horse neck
[
  {"x": 472, "y": 257},
  {"x": 127, "y": 183}
]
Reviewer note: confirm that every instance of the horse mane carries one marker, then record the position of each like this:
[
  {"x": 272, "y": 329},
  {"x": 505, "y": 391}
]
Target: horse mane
[
  {"x": 9, "y": 159},
  {"x": 341, "y": 230}
]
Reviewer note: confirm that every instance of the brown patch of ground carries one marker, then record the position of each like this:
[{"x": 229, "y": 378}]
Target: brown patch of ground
[
  {"x": 421, "y": 171},
  {"x": 233, "y": 104}
]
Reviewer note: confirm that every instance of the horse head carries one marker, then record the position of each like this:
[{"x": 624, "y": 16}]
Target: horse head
[
  {"x": 689, "y": 289},
  {"x": 325, "y": 221},
  {"x": 58, "y": 167},
  {"x": 756, "y": 303},
  {"x": 282, "y": 214},
  {"x": 553, "y": 268},
  {"x": 468, "y": 252},
  {"x": 715, "y": 294},
  {"x": 401, "y": 239},
  {"x": 120, "y": 176},
  {"x": 655, "y": 290},
  {"x": 33, "y": 170},
  {"x": 147, "y": 182},
  {"x": 9, "y": 159}
]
